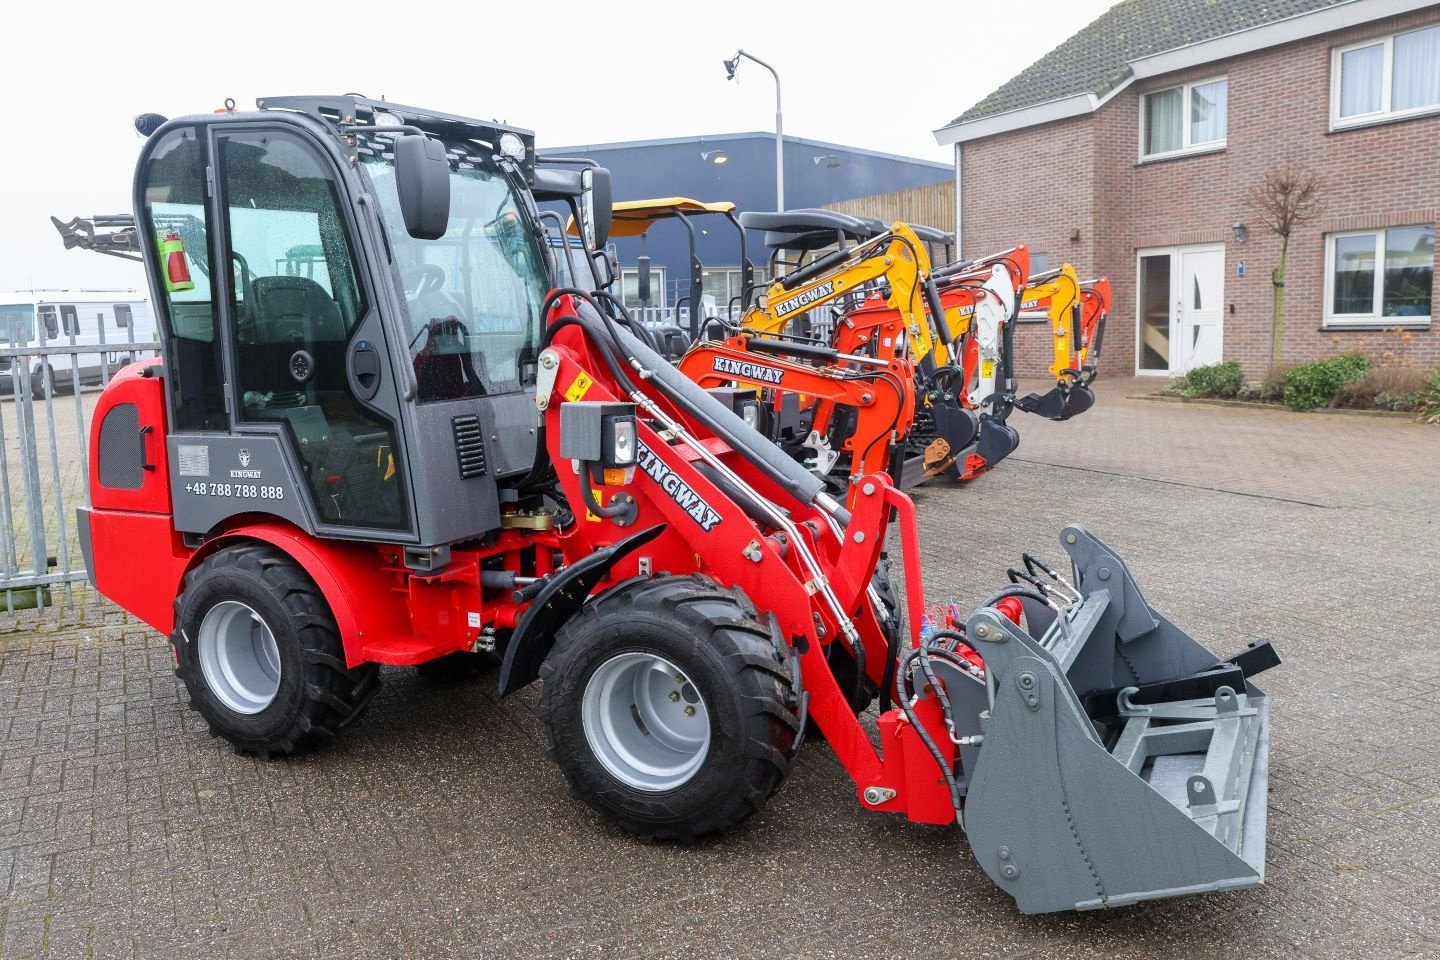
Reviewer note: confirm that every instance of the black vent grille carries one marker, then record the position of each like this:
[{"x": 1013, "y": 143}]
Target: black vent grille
[
  {"x": 469, "y": 446},
  {"x": 122, "y": 449}
]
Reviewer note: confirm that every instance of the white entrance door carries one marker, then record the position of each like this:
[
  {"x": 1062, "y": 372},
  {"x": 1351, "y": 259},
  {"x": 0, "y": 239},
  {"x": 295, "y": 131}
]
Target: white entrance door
[
  {"x": 1198, "y": 309},
  {"x": 1180, "y": 309}
]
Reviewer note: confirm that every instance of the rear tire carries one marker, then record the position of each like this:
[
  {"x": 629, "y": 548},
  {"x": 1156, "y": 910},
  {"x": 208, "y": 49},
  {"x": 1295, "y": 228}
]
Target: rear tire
[
  {"x": 679, "y": 776},
  {"x": 37, "y": 383},
  {"x": 260, "y": 654}
]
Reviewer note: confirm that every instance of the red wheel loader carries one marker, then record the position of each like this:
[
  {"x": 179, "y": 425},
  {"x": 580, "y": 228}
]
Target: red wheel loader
[{"x": 377, "y": 436}]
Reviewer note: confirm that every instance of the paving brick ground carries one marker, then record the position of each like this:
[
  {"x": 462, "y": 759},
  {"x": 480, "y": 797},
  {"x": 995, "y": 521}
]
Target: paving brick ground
[{"x": 435, "y": 827}]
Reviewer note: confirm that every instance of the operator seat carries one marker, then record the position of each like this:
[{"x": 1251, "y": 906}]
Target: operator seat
[
  {"x": 290, "y": 313},
  {"x": 294, "y": 309}
]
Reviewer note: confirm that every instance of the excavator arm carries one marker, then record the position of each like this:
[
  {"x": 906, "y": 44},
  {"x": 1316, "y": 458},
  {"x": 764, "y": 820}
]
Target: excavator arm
[
  {"x": 1058, "y": 294},
  {"x": 880, "y": 393},
  {"x": 113, "y": 235},
  {"x": 897, "y": 257}
]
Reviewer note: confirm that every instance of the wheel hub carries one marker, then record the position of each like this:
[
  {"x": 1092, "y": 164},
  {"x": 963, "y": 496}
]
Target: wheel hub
[
  {"x": 239, "y": 657},
  {"x": 645, "y": 721}
]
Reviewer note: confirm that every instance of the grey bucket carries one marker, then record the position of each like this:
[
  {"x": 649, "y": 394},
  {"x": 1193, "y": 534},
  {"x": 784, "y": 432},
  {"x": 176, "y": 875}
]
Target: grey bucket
[{"x": 1159, "y": 800}]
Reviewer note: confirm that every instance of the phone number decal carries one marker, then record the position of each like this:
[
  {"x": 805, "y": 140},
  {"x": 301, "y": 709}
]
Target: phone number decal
[{"x": 244, "y": 490}]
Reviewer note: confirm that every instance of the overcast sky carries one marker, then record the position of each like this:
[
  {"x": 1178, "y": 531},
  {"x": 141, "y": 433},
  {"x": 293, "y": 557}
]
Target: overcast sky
[{"x": 75, "y": 73}]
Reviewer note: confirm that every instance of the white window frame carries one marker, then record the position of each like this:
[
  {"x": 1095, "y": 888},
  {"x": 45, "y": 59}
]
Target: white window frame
[
  {"x": 658, "y": 300},
  {"x": 1377, "y": 315},
  {"x": 1387, "y": 80},
  {"x": 1186, "y": 147}
]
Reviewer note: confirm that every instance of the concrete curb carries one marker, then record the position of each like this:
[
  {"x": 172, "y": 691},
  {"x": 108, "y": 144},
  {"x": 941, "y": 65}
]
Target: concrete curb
[{"x": 1251, "y": 405}]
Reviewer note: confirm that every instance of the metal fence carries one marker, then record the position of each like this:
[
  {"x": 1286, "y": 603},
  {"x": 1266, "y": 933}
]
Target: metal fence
[{"x": 44, "y": 456}]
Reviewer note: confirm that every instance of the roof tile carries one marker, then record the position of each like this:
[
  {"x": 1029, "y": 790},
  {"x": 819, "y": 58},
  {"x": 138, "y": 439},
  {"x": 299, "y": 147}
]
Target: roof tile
[{"x": 1097, "y": 58}]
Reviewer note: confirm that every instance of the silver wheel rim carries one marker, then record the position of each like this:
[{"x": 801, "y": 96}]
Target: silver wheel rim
[
  {"x": 645, "y": 721},
  {"x": 239, "y": 657}
]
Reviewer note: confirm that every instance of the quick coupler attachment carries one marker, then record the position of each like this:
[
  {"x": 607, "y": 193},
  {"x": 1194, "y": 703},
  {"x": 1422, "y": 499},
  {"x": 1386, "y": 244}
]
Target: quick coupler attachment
[{"x": 1121, "y": 760}]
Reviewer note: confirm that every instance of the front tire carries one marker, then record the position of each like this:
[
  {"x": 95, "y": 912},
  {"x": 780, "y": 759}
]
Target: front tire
[
  {"x": 670, "y": 707},
  {"x": 260, "y": 654}
]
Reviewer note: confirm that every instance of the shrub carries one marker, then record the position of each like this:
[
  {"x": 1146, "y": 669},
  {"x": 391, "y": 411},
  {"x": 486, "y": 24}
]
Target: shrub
[
  {"x": 1383, "y": 388},
  {"x": 1312, "y": 385},
  {"x": 1430, "y": 399},
  {"x": 1217, "y": 380},
  {"x": 1272, "y": 388}
]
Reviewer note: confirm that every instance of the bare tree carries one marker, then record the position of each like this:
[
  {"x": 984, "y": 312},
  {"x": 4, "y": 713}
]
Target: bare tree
[{"x": 1288, "y": 197}]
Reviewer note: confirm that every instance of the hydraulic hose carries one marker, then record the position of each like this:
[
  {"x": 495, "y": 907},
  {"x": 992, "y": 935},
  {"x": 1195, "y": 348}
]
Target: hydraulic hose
[{"x": 925, "y": 738}]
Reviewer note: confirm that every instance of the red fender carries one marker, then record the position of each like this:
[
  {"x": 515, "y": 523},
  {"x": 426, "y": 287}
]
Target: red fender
[{"x": 367, "y": 600}]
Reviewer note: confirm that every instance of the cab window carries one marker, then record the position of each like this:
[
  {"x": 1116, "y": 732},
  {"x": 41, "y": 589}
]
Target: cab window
[{"x": 295, "y": 302}]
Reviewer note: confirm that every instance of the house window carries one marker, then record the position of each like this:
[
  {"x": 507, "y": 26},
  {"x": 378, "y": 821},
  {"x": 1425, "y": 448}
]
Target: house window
[
  {"x": 630, "y": 288},
  {"x": 726, "y": 286},
  {"x": 1379, "y": 276},
  {"x": 1184, "y": 118},
  {"x": 1390, "y": 77}
]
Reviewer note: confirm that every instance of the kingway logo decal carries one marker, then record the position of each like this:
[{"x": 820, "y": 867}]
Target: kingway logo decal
[
  {"x": 801, "y": 300},
  {"x": 678, "y": 490},
  {"x": 243, "y": 473},
  {"x": 748, "y": 371}
]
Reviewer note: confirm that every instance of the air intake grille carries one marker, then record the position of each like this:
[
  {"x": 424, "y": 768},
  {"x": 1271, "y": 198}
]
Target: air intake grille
[
  {"x": 469, "y": 446},
  {"x": 122, "y": 451}
]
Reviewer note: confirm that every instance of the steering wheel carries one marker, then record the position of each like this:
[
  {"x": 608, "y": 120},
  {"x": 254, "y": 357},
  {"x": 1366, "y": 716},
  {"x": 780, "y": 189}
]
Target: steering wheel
[{"x": 432, "y": 278}]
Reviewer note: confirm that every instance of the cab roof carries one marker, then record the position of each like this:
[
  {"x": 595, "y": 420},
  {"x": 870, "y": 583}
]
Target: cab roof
[{"x": 631, "y": 218}]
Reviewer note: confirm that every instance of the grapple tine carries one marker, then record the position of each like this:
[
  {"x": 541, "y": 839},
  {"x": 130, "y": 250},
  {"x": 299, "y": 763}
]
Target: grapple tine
[{"x": 1073, "y": 803}]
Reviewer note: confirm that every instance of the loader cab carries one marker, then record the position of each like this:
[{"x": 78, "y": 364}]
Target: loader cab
[{"x": 322, "y": 364}]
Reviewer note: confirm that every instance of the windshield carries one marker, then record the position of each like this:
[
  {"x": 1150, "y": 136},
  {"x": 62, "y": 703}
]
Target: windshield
[
  {"x": 474, "y": 295},
  {"x": 17, "y": 322}
]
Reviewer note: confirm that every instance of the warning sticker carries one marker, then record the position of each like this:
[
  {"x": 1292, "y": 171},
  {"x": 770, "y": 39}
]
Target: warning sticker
[
  {"x": 987, "y": 369},
  {"x": 579, "y": 388},
  {"x": 194, "y": 460}
]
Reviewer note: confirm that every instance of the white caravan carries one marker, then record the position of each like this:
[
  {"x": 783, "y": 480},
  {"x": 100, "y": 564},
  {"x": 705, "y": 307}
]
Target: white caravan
[{"x": 54, "y": 320}]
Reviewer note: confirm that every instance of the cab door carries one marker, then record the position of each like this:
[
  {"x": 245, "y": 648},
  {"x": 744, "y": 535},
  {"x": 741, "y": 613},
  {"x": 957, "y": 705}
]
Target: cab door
[{"x": 308, "y": 366}]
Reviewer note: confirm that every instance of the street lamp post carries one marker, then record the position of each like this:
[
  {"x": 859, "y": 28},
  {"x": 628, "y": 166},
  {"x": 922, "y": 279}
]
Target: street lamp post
[{"x": 730, "y": 67}]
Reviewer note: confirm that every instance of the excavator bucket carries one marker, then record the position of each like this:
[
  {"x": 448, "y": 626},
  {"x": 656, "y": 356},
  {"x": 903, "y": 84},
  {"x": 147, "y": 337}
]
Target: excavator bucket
[
  {"x": 1061, "y": 402},
  {"x": 1121, "y": 761}
]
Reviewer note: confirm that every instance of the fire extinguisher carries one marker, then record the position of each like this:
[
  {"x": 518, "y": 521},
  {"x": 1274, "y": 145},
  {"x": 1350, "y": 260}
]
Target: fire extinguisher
[{"x": 177, "y": 271}]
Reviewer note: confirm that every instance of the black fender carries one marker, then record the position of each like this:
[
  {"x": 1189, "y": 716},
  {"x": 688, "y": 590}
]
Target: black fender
[{"x": 564, "y": 593}]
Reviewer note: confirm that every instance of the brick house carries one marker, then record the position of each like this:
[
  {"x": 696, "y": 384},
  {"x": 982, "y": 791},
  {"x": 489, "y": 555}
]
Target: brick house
[{"x": 1130, "y": 150}]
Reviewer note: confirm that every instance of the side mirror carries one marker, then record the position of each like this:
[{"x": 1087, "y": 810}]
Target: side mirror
[
  {"x": 422, "y": 181},
  {"x": 642, "y": 279},
  {"x": 596, "y": 198}
]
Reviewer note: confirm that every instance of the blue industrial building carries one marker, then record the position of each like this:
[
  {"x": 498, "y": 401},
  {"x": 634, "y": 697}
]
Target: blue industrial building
[{"x": 740, "y": 168}]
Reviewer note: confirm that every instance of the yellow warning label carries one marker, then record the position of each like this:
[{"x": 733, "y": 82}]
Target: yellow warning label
[
  {"x": 987, "y": 369},
  {"x": 595, "y": 490},
  {"x": 579, "y": 388}
]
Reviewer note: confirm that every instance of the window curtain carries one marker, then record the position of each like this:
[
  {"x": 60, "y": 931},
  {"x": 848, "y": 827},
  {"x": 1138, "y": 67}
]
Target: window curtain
[
  {"x": 1208, "y": 103},
  {"x": 1361, "y": 72},
  {"x": 1164, "y": 122},
  {"x": 1416, "y": 80}
]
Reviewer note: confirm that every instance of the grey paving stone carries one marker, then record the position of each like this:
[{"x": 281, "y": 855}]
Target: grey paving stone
[{"x": 435, "y": 826}]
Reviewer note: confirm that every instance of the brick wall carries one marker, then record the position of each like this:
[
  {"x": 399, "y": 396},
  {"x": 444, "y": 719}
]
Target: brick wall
[
  {"x": 1033, "y": 187},
  {"x": 1041, "y": 183}
]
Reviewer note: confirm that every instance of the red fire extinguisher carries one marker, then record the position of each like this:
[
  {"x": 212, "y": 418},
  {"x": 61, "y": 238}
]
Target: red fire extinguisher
[{"x": 177, "y": 271}]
